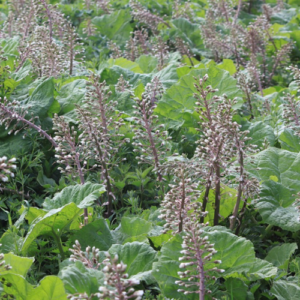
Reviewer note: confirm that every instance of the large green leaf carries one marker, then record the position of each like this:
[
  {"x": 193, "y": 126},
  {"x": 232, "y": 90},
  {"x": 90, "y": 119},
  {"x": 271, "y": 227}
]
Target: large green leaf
[
  {"x": 237, "y": 255},
  {"x": 259, "y": 131},
  {"x": 13, "y": 145},
  {"x": 10, "y": 46},
  {"x": 112, "y": 75},
  {"x": 285, "y": 290},
  {"x": 132, "y": 229},
  {"x": 289, "y": 141},
  {"x": 227, "y": 65},
  {"x": 79, "y": 279},
  {"x": 161, "y": 239},
  {"x": 83, "y": 195},
  {"x": 41, "y": 99},
  {"x": 115, "y": 26},
  {"x": 166, "y": 269},
  {"x": 189, "y": 32},
  {"x": 50, "y": 288},
  {"x": 275, "y": 205},
  {"x": 23, "y": 72},
  {"x": 147, "y": 63},
  {"x": 70, "y": 94},
  {"x": 54, "y": 223},
  {"x": 20, "y": 265},
  {"x": 138, "y": 257},
  {"x": 284, "y": 15},
  {"x": 236, "y": 289},
  {"x": 17, "y": 286},
  {"x": 167, "y": 76},
  {"x": 279, "y": 170},
  {"x": 178, "y": 102},
  {"x": 95, "y": 234},
  {"x": 33, "y": 213},
  {"x": 125, "y": 64},
  {"x": 283, "y": 164},
  {"x": 279, "y": 256},
  {"x": 10, "y": 241}
]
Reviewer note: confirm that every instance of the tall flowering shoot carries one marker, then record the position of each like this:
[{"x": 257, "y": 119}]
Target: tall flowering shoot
[
  {"x": 181, "y": 199},
  {"x": 137, "y": 45},
  {"x": 291, "y": 115},
  {"x": 247, "y": 187},
  {"x": 214, "y": 149},
  {"x": 99, "y": 125},
  {"x": 21, "y": 18},
  {"x": 116, "y": 285},
  {"x": 48, "y": 39},
  {"x": 252, "y": 47},
  {"x": 220, "y": 145},
  {"x": 150, "y": 138},
  {"x": 291, "y": 109},
  {"x": 197, "y": 251},
  {"x": 69, "y": 152},
  {"x": 221, "y": 15}
]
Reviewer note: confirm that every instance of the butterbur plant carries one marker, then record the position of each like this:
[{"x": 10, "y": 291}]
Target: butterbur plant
[
  {"x": 69, "y": 152},
  {"x": 48, "y": 58},
  {"x": 221, "y": 14},
  {"x": 117, "y": 285},
  {"x": 220, "y": 143},
  {"x": 107, "y": 139},
  {"x": 214, "y": 148},
  {"x": 21, "y": 18},
  {"x": 150, "y": 138},
  {"x": 197, "y": 251},
  {"x": 122, "y": 85},
  {"x": 99, "y": 125},
  {"x": 291, "y": 112},
  {"x": 137, "y": 45},
  {"x": 68, "y": 149},
  {"x": 161, "y": 51},
  {"x": 72, "y": 47},
  {"x": 47, "y": 38},
  {"x": 141, "y": 39},
  {"x": 246, "y": 187},
  {"x": 104, "y": 5},
  {"x": 182, "y": 197},
  {"x": 247, "y": 86},
  {"x": 184, "y": 49},
  {"x": 182, "y": 11},
  {"x": 145, "y": 16},
  {"x": 90, "y": 258},
  {"x": 115, "y": 50},
  {"x": 50, "y": 16},
  {"x": 291, "y": 107},
  {"x": 131, "y": 51}
]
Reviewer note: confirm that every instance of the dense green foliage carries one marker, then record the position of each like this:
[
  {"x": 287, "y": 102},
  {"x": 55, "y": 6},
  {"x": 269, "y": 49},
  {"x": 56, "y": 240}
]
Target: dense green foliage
[{"x": 127, "y": 125}]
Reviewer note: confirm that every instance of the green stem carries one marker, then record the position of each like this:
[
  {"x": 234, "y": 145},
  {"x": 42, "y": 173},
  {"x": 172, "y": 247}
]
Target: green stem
[
  {"x": 267, "y": 230},
  {"x": 59, "y": 244}
]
